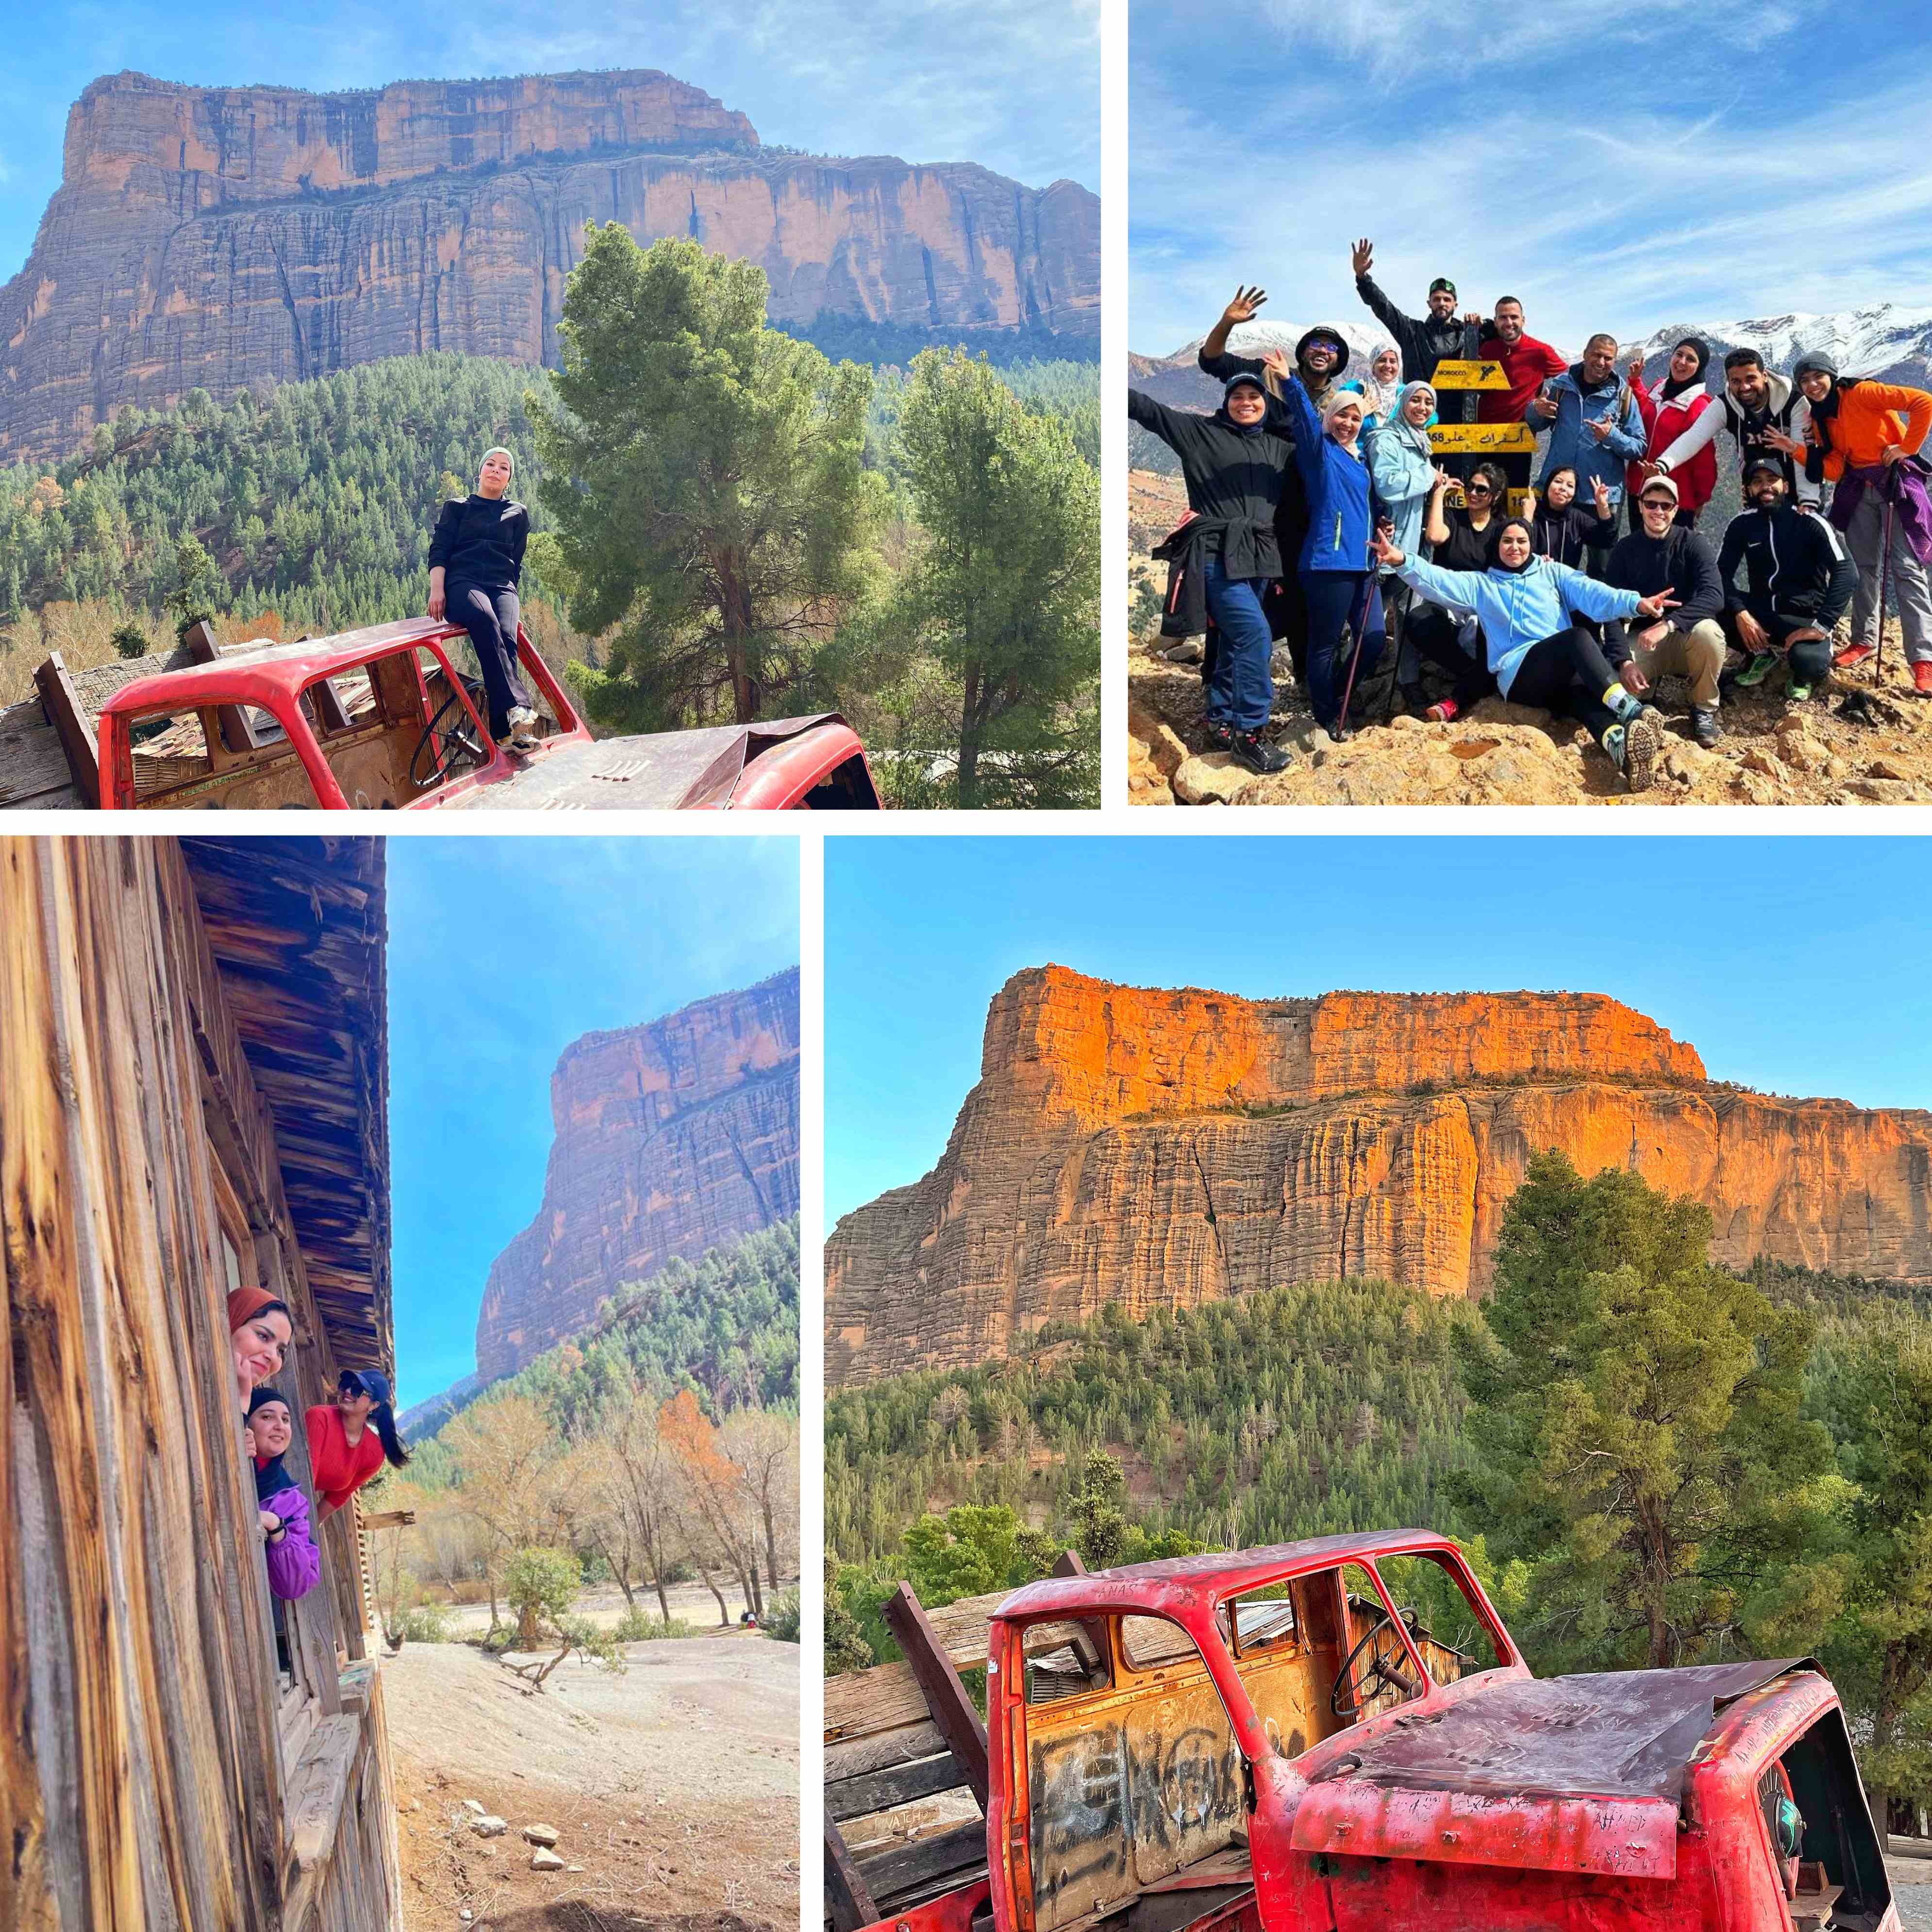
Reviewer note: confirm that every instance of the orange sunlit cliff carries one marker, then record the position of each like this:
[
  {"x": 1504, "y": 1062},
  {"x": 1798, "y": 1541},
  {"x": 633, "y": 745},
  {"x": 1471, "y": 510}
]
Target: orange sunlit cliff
[{"x": 1151, "y": 1149}]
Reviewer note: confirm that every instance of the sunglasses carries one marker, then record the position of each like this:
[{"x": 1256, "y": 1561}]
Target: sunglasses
[
  {"x": 1478, "y": 489},
  {"x": 1656, "y": 503}
]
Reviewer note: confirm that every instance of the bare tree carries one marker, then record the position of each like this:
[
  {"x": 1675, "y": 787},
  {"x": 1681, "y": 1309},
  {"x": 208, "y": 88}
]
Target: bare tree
[{"x": 763, "y": 1444}]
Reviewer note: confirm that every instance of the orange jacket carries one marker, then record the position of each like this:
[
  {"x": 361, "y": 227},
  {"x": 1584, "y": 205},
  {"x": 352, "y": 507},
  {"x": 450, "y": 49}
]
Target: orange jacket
[{"x": 1869, "y": 417}]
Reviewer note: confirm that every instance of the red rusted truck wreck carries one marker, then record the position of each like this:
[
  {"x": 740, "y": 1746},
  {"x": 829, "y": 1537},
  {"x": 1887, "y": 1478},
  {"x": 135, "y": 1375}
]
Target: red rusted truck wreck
[{"x": 1340, "y": 1735}]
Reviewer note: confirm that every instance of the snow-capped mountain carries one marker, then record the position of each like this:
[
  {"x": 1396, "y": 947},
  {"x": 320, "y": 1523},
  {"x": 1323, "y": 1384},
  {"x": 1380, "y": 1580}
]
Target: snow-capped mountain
[{"x": 1889, "y": 342}]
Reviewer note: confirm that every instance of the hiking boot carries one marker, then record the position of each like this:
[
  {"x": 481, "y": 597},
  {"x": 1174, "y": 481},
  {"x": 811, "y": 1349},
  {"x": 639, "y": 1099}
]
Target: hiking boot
[
  {"x": 1219, "y": 734},
  {"x": 1259, "y": 758},
  {"x": 1758, "y": 669},
  {"x": 523, "y": 723},
  {"x": 1444, "y": 713},
  {"x": 1341, "y": 733},
  {"x": 1855, "y": 654},
  {"x": 1705, "y": 728},
  {"x": 1643, "y": 741},
  {"x": 1921, "y": 677}
]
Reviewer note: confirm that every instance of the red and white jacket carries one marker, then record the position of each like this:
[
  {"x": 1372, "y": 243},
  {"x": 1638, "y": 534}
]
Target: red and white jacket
[{"x": 1664, "y": 423}]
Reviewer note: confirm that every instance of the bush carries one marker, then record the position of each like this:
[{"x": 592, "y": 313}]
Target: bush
[
  {"x": 425, "y": 1623},
  {"x": 540, "y": 1584},
  {"x": 639, "y": 1626},
  {"x": 788, "y": 1613},
  {"x": 129, "y": 641}
]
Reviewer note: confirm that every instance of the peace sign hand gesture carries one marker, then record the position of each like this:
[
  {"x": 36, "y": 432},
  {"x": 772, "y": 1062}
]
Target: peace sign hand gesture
[{"x": 1600, "y": 490}]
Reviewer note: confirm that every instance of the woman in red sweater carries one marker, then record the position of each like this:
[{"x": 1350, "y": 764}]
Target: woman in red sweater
[
  {"x": 349, "y": 1438},
  {"x": 1668, "y": 411}
]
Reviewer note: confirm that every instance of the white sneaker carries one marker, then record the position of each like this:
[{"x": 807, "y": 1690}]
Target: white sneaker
[{"x": 523, "y": 722}]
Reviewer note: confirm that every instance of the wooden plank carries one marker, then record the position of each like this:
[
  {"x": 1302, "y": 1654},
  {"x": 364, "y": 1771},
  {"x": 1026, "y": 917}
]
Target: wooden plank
[
  {"x": 1482, "y": 373},
  {"x": 318, "y": 1788},
  {"x": 854, "y": 1757},
  {"x": 71, "y": 719},
  {"x": 959, "y": 1723},
  {"x": 897, "y": 1784},
  {"x": 34, "y": 769},
  {"x": 1484, "y": 439},
  {"x": 847, "y": 1893},
  {"x": 952, "y": 1855}
]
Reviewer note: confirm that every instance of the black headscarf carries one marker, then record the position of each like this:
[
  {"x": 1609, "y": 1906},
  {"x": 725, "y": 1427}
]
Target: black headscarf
[
  {"x": 1514, "y": 569},
  {"x": 271, "y": 1478},
  {"x": 1257, "y": 427},
  {"x": 1673, "y": 389}
]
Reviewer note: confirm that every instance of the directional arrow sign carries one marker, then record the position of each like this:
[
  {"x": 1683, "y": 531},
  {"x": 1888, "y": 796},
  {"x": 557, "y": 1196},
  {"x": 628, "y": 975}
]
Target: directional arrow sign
[
  {"x": 1481, "y": 439},
  {"x": 1483, "y": 375}
]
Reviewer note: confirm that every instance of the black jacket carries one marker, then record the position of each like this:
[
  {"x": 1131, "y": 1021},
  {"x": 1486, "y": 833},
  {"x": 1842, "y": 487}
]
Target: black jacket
[
  {"x": 1235, "y": 480},
  {"x": 481, "y": 541},
  {"x": 1185, "y": 613},
  {"x": 1680, "y": 562},
  {"x": 1563, "y": 535},
  {"x": 1795, "y": 566},
  {"x": 1422, "y": 342}
]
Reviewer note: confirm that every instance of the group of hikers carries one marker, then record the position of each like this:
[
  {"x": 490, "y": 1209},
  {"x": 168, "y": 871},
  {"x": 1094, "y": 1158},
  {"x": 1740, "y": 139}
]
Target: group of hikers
[
  {"x": 1320, "y": 513},
  {"x": 349, "y": 1440}
]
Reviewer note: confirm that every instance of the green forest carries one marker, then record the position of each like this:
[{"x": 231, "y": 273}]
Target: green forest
[
  {"x": 916, "y": 545},
  {"x": 1651, "y": 1460},
  {"x": 725, "y": 1326}
]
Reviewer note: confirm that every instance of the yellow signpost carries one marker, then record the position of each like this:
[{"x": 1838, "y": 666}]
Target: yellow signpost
[{"x": 1480, "y": 439}]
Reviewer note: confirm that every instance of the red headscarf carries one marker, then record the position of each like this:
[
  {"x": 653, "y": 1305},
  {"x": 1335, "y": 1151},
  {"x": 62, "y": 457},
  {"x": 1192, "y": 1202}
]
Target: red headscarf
[{"x": 245, "y": 1302}]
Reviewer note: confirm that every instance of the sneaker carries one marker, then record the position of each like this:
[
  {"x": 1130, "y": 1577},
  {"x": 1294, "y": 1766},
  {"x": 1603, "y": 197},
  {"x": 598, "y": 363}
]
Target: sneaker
[
  {"x": 1759, "y": 669},
  {"x": 1855, "y": 654},
  {"x": 1705, "y": 728},
  {"x": 1338, "y": 733},
  {"x": 523, "y": 722},
  {"x": 1643, "y": 740},
  {"x": 1799, "y": 693},
  {"x": 1921, "y": 677},
  {"x": 1444, "y": 713},
  {"x": 1249, "y": 751},
  {"x": 1220, "y": 734}
]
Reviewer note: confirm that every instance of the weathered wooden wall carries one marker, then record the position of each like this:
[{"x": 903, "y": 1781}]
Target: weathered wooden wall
[{"x": 142, "y": 1783}]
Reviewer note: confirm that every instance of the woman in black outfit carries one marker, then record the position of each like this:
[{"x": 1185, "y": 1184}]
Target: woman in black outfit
[
  {"x": 475, "y": 564},
  {"x": 1563, "y": 529},
  {"x": 1460, "y": 538}
]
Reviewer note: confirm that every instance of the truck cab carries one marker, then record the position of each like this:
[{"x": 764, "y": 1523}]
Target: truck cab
[
  {"x": 1340, "y": 1735},
  {"x": 385, "y": 719}
]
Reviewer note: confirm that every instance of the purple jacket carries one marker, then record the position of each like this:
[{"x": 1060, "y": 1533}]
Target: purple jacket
[
  {"x": 1903, "y": 487},
  {"x": 295, "y": 1564}
]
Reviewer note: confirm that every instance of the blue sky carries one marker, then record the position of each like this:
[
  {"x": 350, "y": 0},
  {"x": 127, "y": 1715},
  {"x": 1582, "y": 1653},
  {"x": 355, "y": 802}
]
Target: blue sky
[
  {"x": 1793, "y": 965},
  {"x": 502, "y": 952},
  {"x": 1009, "y": 84},
  {"x": 1619, "y": 167}
]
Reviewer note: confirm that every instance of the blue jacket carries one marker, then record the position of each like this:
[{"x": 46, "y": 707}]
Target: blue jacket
[
  {"x": 1338, "y": 490},
  {"x": 1517, "y": 609},
  {"x": 1402, "y": 465},
  {"x": 1570, "y": 443}
]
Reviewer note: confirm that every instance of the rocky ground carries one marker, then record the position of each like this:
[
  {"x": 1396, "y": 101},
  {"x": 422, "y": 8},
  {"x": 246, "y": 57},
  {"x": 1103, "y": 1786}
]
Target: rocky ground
[
  {"x": 1859, "y": 741},
  {"x": 1911, "y": 1889},
  {"x": 673, "y": 1790}
]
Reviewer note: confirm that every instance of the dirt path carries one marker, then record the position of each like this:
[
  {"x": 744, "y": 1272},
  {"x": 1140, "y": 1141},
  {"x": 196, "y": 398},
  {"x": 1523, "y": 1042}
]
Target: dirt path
[
  {"x": 1859, "y": 740},
  {"x": 603, "y": 1604},
  {"x": 673, "y": 1788}
]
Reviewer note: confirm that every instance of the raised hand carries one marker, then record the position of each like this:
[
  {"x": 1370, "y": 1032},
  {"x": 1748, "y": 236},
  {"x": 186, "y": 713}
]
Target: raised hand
[
  {"x": 1243, "y": 308},
  {"x": 1655, "y": 606},
  {"x": 1600, "y": 490},
  {"x": 1386, "y": 554},
  {"x": 1276, "y": 360},
  {"x": 1439, "y": 479},
  {"x": 1634, "y": 367},
  {"x": 1361, "y": 256}
]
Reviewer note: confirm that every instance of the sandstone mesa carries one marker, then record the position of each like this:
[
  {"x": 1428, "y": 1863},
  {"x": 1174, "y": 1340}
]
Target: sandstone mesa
[
  {"x": 218, "y": 237},
  {"x": 1150, "y": 1149}
]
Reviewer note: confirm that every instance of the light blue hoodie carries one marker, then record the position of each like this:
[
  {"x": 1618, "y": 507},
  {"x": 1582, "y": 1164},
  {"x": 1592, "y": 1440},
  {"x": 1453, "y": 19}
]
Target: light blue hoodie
[
  {"x": 1402, "y": 466},
  {"x": 1518, "y": 609},
  {"x": 1572, "y": 446}
]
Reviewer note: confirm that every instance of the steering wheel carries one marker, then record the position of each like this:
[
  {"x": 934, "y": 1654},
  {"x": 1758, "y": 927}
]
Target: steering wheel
[
  {"x": 1384, "y": 1667},
  {"x": 446, "y": 749}
]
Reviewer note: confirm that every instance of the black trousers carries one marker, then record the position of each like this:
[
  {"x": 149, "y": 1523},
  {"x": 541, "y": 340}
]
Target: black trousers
[
  {"x": 1435, "y": 635},
  {"x": 1568, "y": 674},
  {"x": 1809, "y": 662},
  {"x": 489, "y": 613}
]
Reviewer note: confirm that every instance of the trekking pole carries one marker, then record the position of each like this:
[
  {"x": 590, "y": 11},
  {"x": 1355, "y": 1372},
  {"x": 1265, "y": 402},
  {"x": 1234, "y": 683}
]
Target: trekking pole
[
  {"x": 1884, "y": 571},
  {"x": 1355, "y": 658}
]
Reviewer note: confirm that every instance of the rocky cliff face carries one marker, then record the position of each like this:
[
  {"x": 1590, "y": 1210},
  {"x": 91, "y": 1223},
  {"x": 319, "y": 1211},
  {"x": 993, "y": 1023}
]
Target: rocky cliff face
[
  {"x": 1153, "y": 1149},
  {"x": 216, "y": 237},
  {"x": 671, "y": 1138}
]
